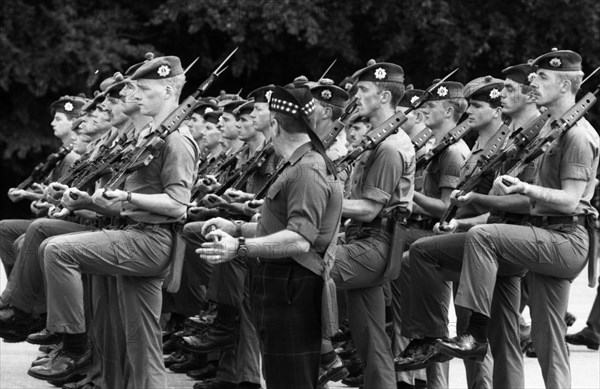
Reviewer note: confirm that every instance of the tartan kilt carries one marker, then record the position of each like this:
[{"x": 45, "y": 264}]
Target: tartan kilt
[{"x": 286, "y": 305}]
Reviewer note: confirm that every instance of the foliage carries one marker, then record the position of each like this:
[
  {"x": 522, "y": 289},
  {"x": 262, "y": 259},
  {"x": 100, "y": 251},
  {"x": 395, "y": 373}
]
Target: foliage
[{"x": 50, "y": 48}]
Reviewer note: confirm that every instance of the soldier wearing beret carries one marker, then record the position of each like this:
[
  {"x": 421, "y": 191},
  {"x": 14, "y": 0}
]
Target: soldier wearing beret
[
  {"x": 330, "y": 101},
  {"x": 381, "y": 193},
  {"x": 552, "y": 243},
  {"x": 64, "y": 113},
  {"x": 299, "y": 222},
  {"x": 437, "y": 259},
  {"x": 154, "y": 198}
]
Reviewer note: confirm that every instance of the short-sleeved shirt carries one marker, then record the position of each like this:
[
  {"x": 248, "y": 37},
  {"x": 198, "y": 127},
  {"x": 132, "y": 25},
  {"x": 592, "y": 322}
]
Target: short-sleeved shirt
[
  {"x": 385, "y": 175},
  {"x": 572, "y": 156},
  {"x": 444, "y": 171},
  {"x": 304, "y": 199},
  {"x": 171, "y": 172}
]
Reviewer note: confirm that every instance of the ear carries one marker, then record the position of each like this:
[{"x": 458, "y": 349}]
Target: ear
[
  {"x": 274, "y": 126},
  {"x": 385, "y": 97},
  {"x": 327, "y": 113},
  {"x": 449, "y": 111},
  {"x": 565, "y": 86},
  {"x": 497, "y": 112}
]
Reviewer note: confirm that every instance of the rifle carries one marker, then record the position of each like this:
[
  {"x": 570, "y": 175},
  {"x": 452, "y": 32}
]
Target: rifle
[
  {"x": 385, "y": 129},
  {"x": 421, "y": 139},
  {"x": 42, "y": 170},
  {"x": 328, "y": 138},
  {"x": 453, "y": 136},
  {"x": 242, "y": 175},
  {"x": 518, "y": 141},
  {"x": 558, "y": 127},
  {"x": 142, "y": 155}
]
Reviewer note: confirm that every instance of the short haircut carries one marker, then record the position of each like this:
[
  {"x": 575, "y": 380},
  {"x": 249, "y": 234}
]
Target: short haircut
[
  {"x": 395, "y": 88},
  {"x": 336, "y": 111},
  {"x": 289, "y": 124},
  {"x": 459, "y": 104},
  {"x": 176, "y": 83},
  {"x": 574, "y": 78}
]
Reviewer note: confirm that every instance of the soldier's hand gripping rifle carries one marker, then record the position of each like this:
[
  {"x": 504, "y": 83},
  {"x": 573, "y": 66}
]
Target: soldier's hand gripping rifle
[
  {"x": 517, "y": 143},
  {"x": 143, "y": 154},
  {"x": 43, "y": 169},
  {"x": 390, "y": 126},
  {"x": 453, "y": 136},
  {"x": 558, "y": 127}
]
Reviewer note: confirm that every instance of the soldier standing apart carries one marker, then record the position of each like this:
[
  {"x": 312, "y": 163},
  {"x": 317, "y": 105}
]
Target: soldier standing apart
[
  {"x": 299, "y": 221},
  {"x": 552, "y": 244},
  {"x": 154, "y": 198}
]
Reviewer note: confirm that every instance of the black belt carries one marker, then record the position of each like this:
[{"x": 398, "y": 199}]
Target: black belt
[
  {"x": 421, "y": 224},
  {"x": 545, "y": 221}
]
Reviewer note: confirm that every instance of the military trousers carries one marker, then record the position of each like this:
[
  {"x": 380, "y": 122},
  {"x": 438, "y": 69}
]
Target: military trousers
[
  {"x": 138, "y": 256},
  {"x": 435, "y": 264},
  {"x": 10, "y": 230},
  {"x": 27, "y": 283},
  {"x": 359, "y": 270},
  {"x": 555, "y": 256}
]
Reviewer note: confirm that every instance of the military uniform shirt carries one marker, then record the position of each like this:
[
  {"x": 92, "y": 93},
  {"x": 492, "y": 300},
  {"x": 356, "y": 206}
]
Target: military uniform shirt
[
  {"x": 444, "y": 171},
  {"x": 303, "y": 199},
  {"x": 386, "y": 174},
  {"x": 170, "y": 172},
  {"x": 574, "y": 156}
]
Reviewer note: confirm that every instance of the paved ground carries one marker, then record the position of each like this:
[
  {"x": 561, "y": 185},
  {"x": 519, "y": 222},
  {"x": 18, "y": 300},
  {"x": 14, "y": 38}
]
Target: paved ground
[{"x": 585, "y": 364}]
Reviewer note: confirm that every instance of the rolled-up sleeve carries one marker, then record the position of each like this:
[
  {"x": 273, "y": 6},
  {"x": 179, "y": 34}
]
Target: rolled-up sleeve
[
  {"x": 307, "y": 197},
  {"x": 179, "y": 162},
  {"x": 383, "y": 175}
]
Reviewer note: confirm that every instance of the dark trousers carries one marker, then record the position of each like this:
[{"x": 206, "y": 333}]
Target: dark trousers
[{"x": 286, "y": 303}]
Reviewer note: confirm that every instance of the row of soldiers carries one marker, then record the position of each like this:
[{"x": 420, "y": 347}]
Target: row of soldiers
[{"x": 263, "y": 185}]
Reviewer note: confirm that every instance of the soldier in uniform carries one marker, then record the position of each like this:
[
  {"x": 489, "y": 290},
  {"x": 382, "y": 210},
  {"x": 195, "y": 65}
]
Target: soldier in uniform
[
  {"x": 155, "y": 197},
  {"x": 552, "y": 243},
  {"x": 435, "y": 260},
  {"x": 64, "y": 112},
  {"x": 299, "y": 221},
  {"x": 381, "y": 192}
]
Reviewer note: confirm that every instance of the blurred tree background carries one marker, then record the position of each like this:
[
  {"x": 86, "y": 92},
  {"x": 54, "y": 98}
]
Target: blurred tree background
[{"x": 50, "y": 48}]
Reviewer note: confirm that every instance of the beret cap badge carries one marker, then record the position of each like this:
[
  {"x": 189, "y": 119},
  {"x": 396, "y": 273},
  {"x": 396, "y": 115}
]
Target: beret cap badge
[
  {"x": 326, "y": 94},
  {"x": 494, "y": 93},
  {"x": 268, "y": 95},
  {"x": 68, "y": 106},
  {"x": 414, "y": 99},
  {"x": 380, "y": 73},
  {"x": 442, "y": 91},
  {"x": 531, "y": 77},
  {"x": 555, "y": 62},
  {"x": 163, "y": 70}
]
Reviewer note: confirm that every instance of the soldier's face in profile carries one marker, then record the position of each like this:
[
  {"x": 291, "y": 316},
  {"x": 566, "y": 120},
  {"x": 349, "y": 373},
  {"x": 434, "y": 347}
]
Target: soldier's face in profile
[
  {"x": 227, "y": 126},
  {"x": 61, "y": 125},
  {"x": 511, "y": 98},
  {"x": 150, "y": 96},
  {"x": 246, "y": 129},
  {"x": 368, "y": 98},
  {"x": 546, "y": 87},
  {"x": 435, "y": 113},
  {"x": 480, "y": 114},
  {"x": 260, "y": 116},
  {"x": 212, "y": 135}
]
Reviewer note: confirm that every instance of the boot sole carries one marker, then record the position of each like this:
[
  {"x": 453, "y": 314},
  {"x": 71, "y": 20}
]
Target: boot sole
[{"x": 457, "y": 354}]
